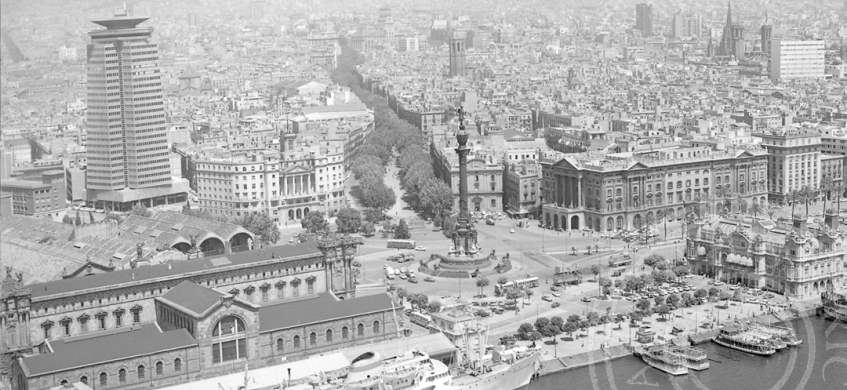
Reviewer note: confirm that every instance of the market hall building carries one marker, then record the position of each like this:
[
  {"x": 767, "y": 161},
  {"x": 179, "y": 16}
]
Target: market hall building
[{"x": 183, "y": 321}]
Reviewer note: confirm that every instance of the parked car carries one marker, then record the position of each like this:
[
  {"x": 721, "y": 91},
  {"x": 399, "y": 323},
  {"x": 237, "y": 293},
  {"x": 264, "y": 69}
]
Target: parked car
[
  {"x": 429, "y": 279},
  {"x": 413, "y": 280},
  {"x": 555, "y": 288},
  {"x": 586, "y": 299},
  {"x": 719, "y": 283},
  {"x": 556, "y": 294},
  {"x": 420, "y": 248},
  {"x": 547, "y": 298},
  {"x": 556, "y": 304},
  {"x": 511, "y": 230}
]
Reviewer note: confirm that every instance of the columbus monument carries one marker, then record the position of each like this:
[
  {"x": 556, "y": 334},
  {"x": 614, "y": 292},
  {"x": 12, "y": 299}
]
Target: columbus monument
[
  {"x": 464, "y": 238},
  {"x": 463, "y": 260}
]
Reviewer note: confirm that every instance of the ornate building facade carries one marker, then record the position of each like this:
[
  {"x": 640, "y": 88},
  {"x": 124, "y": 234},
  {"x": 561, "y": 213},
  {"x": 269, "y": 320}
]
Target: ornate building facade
[
  {"x": 167, "y": 316},
  {"x": 626, "y": 190},
  {"x": 790, "y": 259}
]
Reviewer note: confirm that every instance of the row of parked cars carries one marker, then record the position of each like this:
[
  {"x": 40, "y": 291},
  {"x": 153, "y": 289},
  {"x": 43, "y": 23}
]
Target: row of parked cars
[{"x": 657, "y": 292}]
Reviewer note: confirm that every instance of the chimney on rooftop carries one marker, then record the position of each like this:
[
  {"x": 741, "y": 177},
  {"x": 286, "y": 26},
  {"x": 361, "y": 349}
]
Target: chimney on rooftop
[
  {"x": 831, "y": 219},
  {"x": 799, "y": 225}
]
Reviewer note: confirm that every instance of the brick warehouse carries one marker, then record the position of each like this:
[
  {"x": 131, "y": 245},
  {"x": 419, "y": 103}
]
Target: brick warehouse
[{"x": 187, "y": 320}]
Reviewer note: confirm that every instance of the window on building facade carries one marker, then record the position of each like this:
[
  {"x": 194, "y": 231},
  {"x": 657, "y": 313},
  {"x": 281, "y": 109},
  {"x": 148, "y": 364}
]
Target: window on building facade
[
  {"x": 104, "y": 379},
  {"x": 345, "y": 333},
  {"x": 136, "y": 315},
  {"x": 101, "y": 320},
  {"x": 313, "y": 339},
  {"x": 376, "y": 327},
  {"x": 119, "y": 316},
  {"x": 47, "y": 327},
  {"x": 229, "y": 341},
  {"x": 122, "y": 375},
  {"x": 160, "y": 368},
  {"x": 66, "y": 326},
  {"x": 360, "y": 330}
]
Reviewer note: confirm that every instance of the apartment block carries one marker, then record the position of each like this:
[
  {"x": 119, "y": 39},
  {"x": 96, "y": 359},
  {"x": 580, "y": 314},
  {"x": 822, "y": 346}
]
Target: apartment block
[
  {"x": 794, "y": 158},
  {"x": 797, "y": 60}
]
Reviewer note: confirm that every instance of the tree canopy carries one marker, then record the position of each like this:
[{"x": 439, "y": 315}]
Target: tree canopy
[
  {"x": 348, "y": 220},
  {"x": 314, "y": 222}
]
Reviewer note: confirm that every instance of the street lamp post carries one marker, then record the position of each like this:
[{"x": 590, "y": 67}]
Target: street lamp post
[{"x": 541, "y": 207}]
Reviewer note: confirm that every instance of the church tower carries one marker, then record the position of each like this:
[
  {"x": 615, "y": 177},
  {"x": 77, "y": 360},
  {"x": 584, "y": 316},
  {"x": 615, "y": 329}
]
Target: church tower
[
  {"x": 457, "y": 54},
  {"x": 765, "y": 35}
]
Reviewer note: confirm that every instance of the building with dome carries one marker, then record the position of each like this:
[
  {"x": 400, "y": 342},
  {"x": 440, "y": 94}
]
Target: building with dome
[{"x": 788, "y": 258}]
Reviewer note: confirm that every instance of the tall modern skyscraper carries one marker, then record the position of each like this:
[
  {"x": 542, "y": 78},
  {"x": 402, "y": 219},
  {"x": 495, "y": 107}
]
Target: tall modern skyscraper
[
  {"x": 127, "y": 145},
  {"x": 457, "y": 54},
  {"x": 644, "y": 18},
  {"x": 687, "y": 25}
]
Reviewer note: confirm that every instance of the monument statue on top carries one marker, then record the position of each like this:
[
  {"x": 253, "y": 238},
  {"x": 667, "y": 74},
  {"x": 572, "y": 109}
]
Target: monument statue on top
[{"x": 464, "y": 240}]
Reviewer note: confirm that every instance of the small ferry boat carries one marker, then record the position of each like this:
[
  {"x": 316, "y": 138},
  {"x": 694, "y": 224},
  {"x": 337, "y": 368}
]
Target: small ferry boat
[
  {"x": 662, "y": 358},
  {"x": 768, "y": 338},
  {"x": 787, "y": 335},
  {"x": 693, "y": 358},
  {"x": 834, "y": 305},
  {"x": 736, "y": 337}
]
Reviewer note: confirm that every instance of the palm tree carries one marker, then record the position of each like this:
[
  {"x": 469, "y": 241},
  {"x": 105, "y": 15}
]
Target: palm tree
[
  {"x": 807, "y": 194},
  {"x": 793, "y": 197},
  {"x": 825, "y": 187},
  {"x": 756, "y": 208},
  {"x": 839, "y": 187}
]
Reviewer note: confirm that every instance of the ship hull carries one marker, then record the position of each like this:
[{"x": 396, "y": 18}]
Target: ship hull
[
  {"x": 835, "y": 314},
  {"x": 515, "y": 376},
  {"x": 742, "y": 349}
]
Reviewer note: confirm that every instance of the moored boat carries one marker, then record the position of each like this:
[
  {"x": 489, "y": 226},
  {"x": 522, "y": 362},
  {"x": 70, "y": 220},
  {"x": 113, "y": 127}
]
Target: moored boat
[
  {"x": 770, "y": 339},
  {"x": 662, "y": 358},
  {"x": 787, "y": 335},
  {"x": 693, "y": 358},
  {"x": 834, "y": 305},
  {"x": 736, "y": 337}
]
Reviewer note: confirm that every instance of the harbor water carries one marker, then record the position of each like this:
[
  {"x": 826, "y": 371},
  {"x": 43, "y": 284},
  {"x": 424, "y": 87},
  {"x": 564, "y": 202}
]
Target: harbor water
[{"x": 820, "y": 363}]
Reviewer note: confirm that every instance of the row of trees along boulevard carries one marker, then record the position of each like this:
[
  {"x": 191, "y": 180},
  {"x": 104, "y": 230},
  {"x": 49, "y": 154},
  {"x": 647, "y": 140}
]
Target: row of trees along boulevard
[{"x": 427, "y": 195}]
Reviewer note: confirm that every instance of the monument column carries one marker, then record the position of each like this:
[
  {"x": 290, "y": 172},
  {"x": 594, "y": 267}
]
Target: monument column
[
  {"x": 466, "y": 242},
  {"x": 578, "y": 191}
]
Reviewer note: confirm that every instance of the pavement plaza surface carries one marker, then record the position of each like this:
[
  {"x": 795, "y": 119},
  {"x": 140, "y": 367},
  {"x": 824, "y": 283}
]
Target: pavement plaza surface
[{"x": 535, "y": 251}]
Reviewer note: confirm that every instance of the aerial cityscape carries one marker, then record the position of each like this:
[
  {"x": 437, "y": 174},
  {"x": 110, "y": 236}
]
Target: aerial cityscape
[{"x": 447, "y": 195}]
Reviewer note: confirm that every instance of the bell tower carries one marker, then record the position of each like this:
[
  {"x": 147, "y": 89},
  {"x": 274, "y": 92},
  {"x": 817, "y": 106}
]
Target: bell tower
[{"x": 457, "y": 53}]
